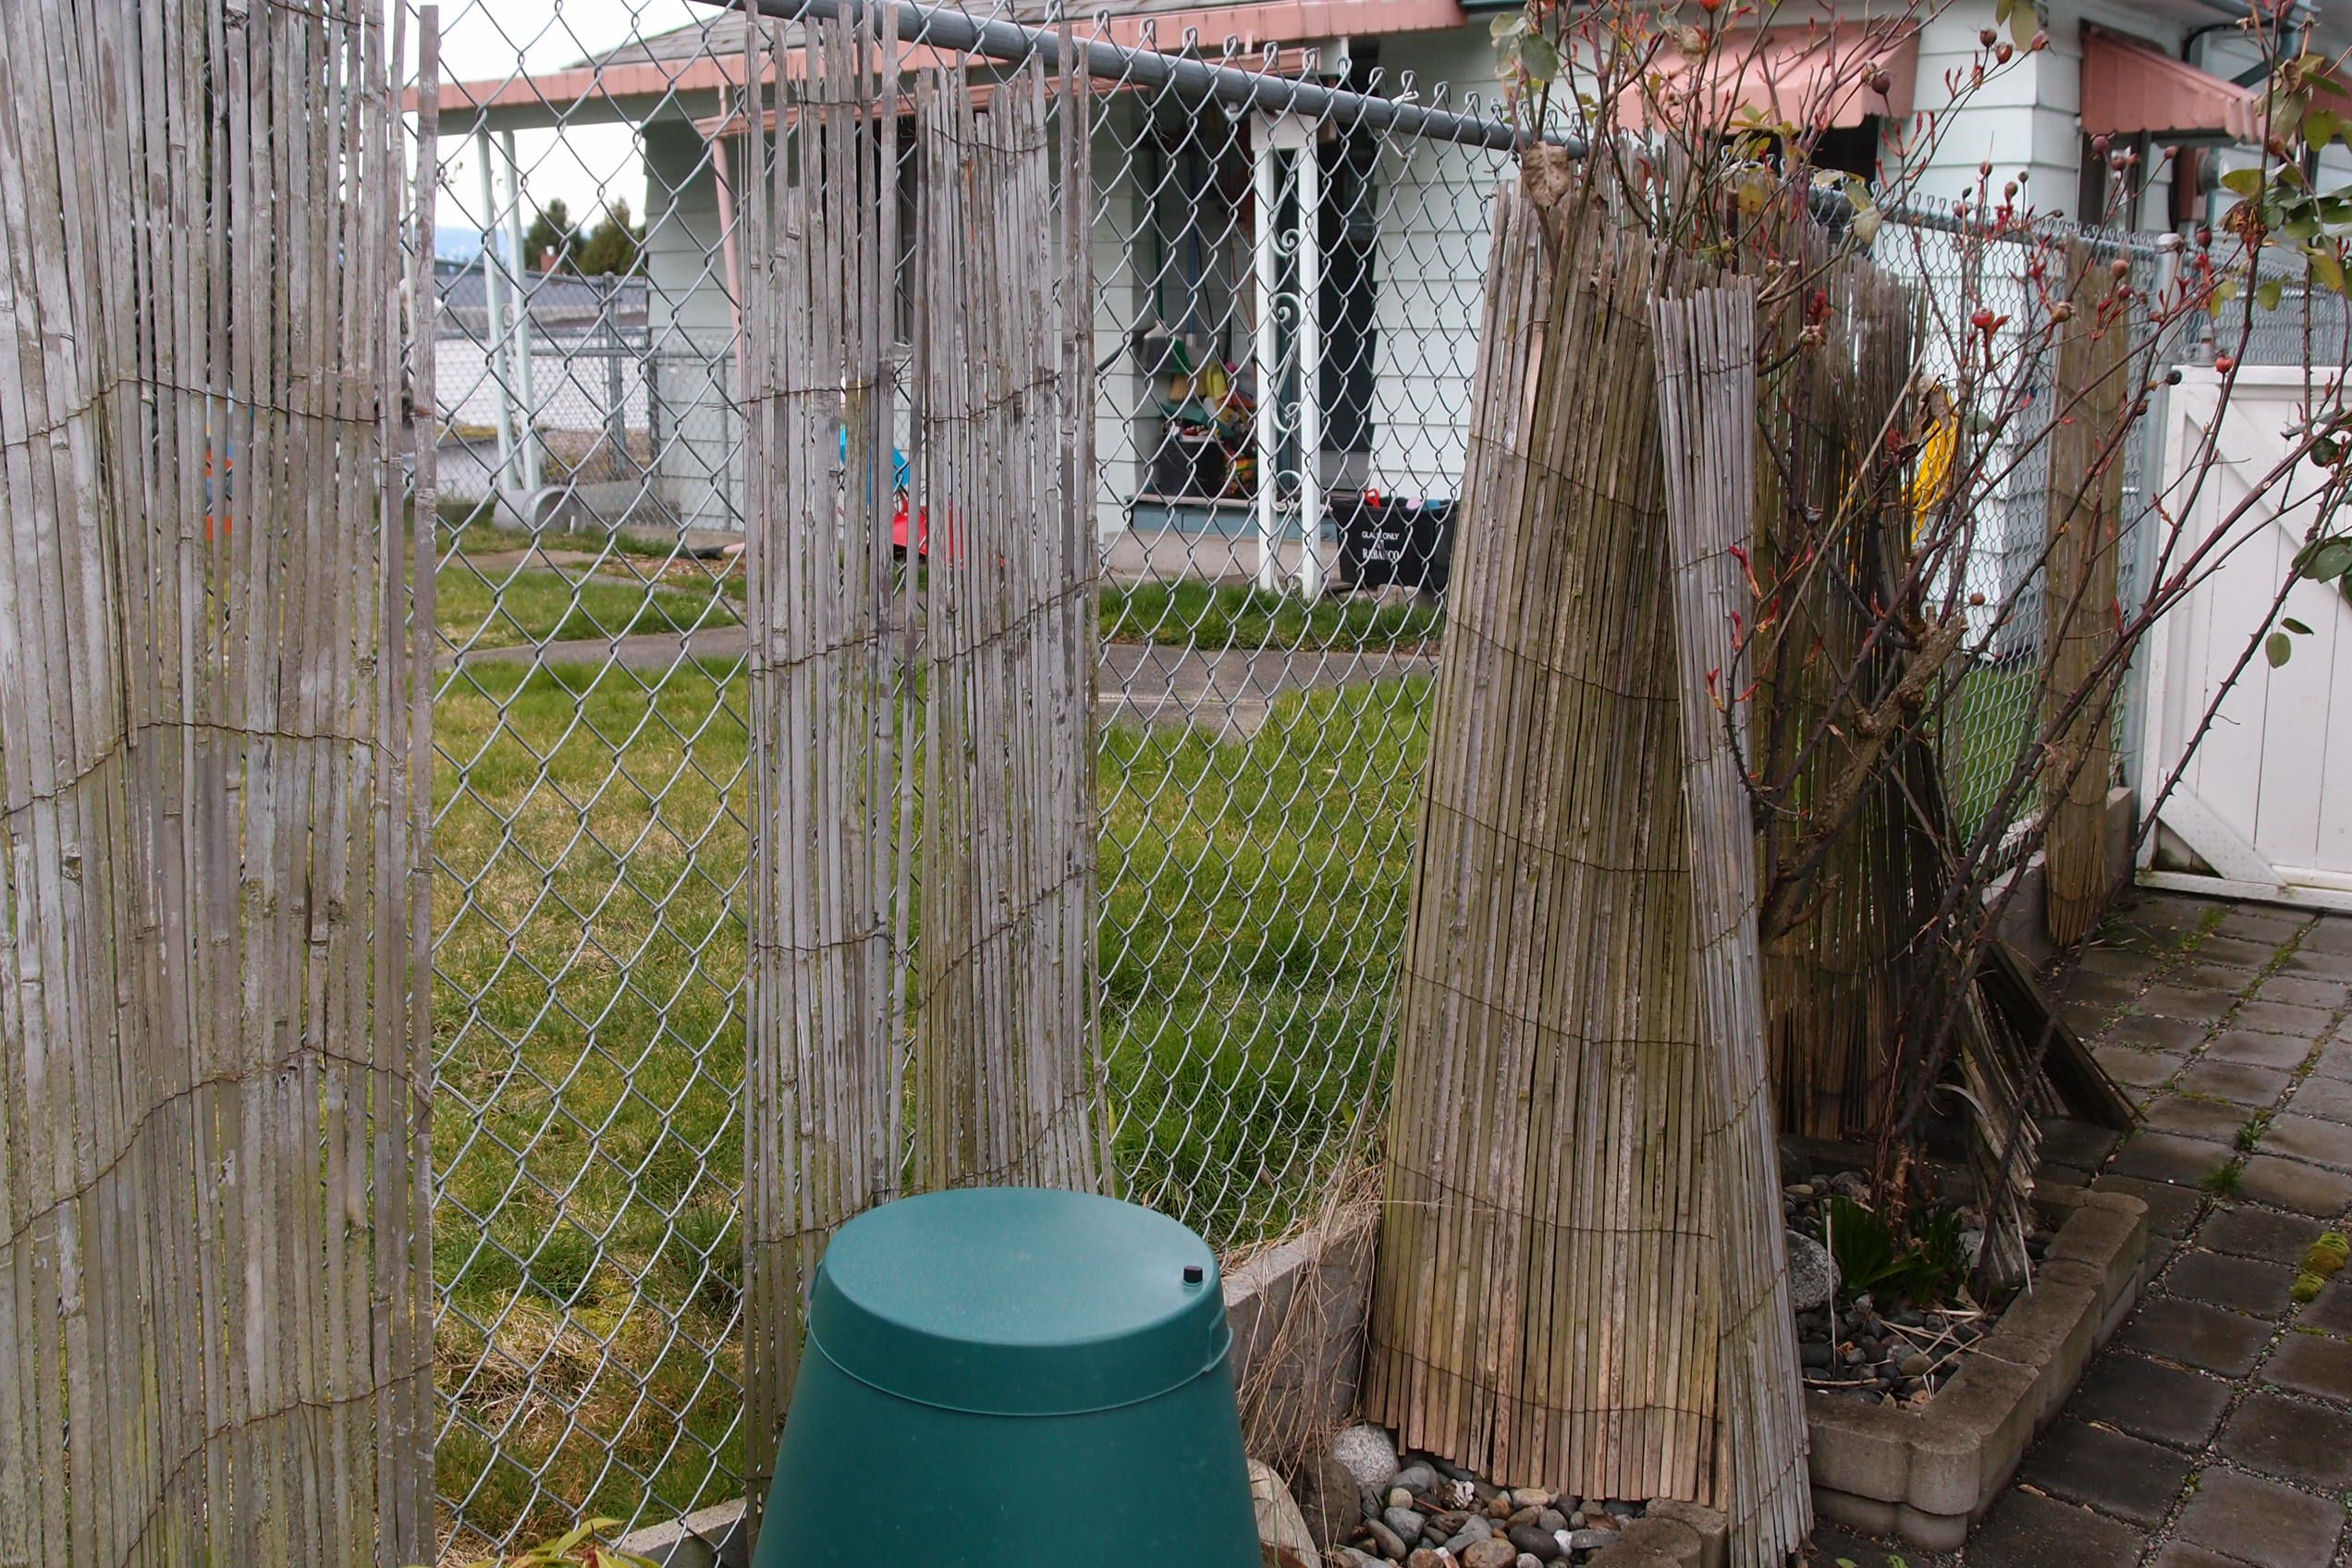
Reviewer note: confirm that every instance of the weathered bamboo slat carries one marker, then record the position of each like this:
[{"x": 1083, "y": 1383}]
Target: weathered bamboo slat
[
  {"x": 1707, "y": 404},
  {"x": 821, "y": 1082},
  {"x": 1004, "y": 1079},
  {"x": 1007, "y": 1072},
  {"x": 214, "y": 1270},
  {"x": 2090, "y": 402}
]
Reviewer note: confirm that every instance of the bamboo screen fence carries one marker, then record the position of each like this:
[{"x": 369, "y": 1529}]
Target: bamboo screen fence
[
  {"x": 1582, "y": 1277},
  {"x": 2091, "y": 403},
  {"x": 989, "y": 1069},
  {"x": 216, "y": 1299}
]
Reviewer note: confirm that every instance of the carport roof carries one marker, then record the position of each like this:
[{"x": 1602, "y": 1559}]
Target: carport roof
[{"x": 633, "y": 80}]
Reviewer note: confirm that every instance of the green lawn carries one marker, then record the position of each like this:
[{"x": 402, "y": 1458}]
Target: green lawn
[
  {"x": 1987, "y": 716},
  {"x": 592, "y": 846},
  {"x": 508, "y": 609},
  {"x": 1234, "y": 616}
]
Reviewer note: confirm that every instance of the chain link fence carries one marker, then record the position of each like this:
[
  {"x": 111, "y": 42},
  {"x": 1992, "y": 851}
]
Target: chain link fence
[{"x": 1288, "y": 288}]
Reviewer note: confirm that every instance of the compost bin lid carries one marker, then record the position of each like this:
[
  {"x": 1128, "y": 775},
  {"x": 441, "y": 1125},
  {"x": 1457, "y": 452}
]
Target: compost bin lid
[{"x": 1014, "y": 1301}]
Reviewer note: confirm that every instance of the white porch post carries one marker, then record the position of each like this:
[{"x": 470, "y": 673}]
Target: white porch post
[
  {"x": 495, "y": 317},
  {"x": 527, "y": 432},
  {"x": 1265, "y": 275},
  {"x": 1310, "y": 365}
]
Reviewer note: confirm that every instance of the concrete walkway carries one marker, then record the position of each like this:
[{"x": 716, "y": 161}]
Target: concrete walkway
[
  {"x": 2215, "y": 1431},
  {"x": 1228, "y": 693}
]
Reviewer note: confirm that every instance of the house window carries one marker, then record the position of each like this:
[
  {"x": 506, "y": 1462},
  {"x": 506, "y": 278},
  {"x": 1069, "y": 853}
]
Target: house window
[
  {"x": 2110, "y": 193},
  {"x": 1850, "y": 148}
]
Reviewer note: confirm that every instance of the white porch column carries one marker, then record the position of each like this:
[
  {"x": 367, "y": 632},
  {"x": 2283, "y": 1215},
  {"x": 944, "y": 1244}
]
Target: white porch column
[
  {"x": 527, "y": 434},
  {"x": 1310, "y": 365},
  {"x": 1265, "y": 273},
  {"x": 495, "y": 317}
]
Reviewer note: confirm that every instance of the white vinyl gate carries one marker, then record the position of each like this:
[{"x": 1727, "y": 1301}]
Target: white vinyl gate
[{"x": 2264, "y": 808}]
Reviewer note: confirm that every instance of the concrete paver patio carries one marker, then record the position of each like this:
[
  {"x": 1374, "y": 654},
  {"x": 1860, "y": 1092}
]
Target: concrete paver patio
[{"x": 2216, "y": 1430}]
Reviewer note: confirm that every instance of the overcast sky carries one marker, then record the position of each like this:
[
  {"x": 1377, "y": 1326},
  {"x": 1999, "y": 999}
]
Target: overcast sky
[{"x": 588, "y": 166}]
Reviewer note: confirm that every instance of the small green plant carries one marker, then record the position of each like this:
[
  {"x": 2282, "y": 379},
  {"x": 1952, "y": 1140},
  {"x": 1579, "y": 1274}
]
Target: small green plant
[
  {"x": 2251, "y": 1131},
  {"x": 574, "y": 1549},
  {"x": 1924, "y": 1266},
  {"x": 2224, "y": 1181},
  {"x": 2307, "y": 1287}
]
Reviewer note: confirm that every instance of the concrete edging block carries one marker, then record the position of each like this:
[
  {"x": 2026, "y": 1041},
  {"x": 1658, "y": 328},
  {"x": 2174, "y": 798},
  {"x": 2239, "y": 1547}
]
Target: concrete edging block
[{"x": 1923, "y": 1473}]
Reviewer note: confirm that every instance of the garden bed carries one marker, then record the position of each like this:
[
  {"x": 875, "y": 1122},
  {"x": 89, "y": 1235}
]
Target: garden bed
[{"x": 1924, "y": 1469}]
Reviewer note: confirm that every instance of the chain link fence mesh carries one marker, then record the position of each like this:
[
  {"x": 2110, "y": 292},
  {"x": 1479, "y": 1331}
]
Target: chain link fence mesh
[{"x": 1286, "y": 333}]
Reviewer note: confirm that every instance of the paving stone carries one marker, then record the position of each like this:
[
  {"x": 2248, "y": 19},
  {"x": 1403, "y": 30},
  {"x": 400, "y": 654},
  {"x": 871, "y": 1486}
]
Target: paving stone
[
  {"x": 2328, "y": 1098},
  {"x": 2082, "y": 1143},
  {"x": 2310, "y": 1138},
  {"x": 2259, "y": 1048},
  {"x": 2319, "y": 965},
  {"x": 2302, "y": 990},
  {"x": 2167, "y": 1405},
  {"x": 2257, "y": 923},
  {"x": 2107, "y": 991},
  {"x": 1830, "y": 1546},
  {"x": 2196, "y": 1334},
  {"x": 2261, "y": 1521},
  {"x": 2311, "y": 1364},
  {"x": 2026, "y": 1531},
  {"x": 2168, "y": 1157},
  {"x": 2222, "y": 978},
  {"x": 2331, "y": 1310},
  {"x": 2138, "y": 1069},
  {"x": 2172, "y": 1207},
  {"x": 2336, "y": 1061},
  {"x": 2332, "y": 935},
  {"x": 2171, "y": 999},
  {"x": 2240, "y": 951},
  {"x": 2290, "y": 1183},
  {"x": 2105, "y": 1470},
  {"x": 2284, "y": 1018},
  {"x": 2292, "y": 1438},
  {"x": 2240, "y": 1284},
  {"x": 2188, "y": 1554},
  {"x": 2258, "y": 1232},
  {"x": 2180, "y": 1035},
  {"x": 2237, "y": 1081},
  {"x": 2217, "y": 1121},
  {"x": 2096, "y": 960}
]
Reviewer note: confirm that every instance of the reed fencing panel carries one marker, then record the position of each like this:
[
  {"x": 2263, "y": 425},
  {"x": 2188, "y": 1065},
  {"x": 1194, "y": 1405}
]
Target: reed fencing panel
[{"x": 216, "y": 1300}]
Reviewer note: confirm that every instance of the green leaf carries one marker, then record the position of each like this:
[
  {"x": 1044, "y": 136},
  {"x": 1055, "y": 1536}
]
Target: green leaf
[
  {"x": 2295, "y": 626},
  {"x": 2325, "y": 559},
  {"x": 2243, "y": 182},
  {"x": 2319, "y": 126},
  {"x": 1506, "y": 26},
  {"x": 2327, "y": 266},
  {"x": 2278, "y": 648},
  {"x": 1541, "y": 60},
  {"x": 2267, "y": 294}
]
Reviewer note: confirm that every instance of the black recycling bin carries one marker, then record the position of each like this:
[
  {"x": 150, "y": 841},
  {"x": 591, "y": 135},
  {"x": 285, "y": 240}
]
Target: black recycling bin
[{"x": 1391, "y": 544}]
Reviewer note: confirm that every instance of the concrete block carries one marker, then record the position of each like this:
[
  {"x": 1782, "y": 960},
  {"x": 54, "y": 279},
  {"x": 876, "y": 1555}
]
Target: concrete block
[
  {"x": 1937, "y": 1532},
  {"x": 1862, "y": 1450},
  {"x": 1650, "y": 1542},
  {"x": 1867, "y": 1514},
  {"x": 1713, "y": 1529}
]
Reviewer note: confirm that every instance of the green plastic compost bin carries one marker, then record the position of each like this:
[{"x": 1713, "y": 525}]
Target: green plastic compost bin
[{"x": 1001, "y": 1377}]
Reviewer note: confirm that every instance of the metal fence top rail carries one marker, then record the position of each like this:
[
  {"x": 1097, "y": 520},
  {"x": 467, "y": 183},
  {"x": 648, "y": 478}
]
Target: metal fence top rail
[
  {"x": 1011, "y": 43},
  {"x": 1015, "y": 43}
]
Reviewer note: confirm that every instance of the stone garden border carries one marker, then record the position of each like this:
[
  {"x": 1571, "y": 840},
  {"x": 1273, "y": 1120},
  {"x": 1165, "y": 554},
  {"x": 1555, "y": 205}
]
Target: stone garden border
[{"x": 1926, "y": 1473}]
